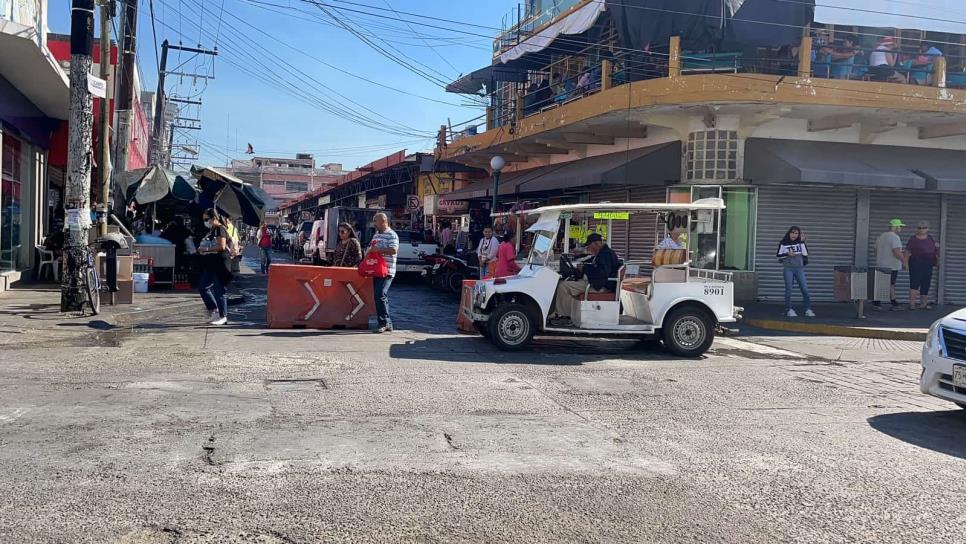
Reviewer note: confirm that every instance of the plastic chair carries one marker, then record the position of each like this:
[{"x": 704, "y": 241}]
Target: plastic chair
[{"x": 47, "y": 258}]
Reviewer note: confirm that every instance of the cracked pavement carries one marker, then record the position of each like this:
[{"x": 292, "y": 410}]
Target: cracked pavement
[{"x": 174, "y": 432}]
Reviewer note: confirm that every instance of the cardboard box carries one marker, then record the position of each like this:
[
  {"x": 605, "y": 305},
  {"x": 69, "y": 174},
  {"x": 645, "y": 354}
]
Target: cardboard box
[
  {"x": 125, "y": 267},
  {"x": 124, "y": 294}
]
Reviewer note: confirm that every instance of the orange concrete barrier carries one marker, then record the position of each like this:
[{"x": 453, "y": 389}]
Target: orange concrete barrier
[
  {"x": 316, "y": 297},
  {"x": 466, "y": 301}
]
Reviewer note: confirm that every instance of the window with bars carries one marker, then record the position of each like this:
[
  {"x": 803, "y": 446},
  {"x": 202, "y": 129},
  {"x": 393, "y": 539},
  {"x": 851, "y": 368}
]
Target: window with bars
[{"x": 712, "y": 155}]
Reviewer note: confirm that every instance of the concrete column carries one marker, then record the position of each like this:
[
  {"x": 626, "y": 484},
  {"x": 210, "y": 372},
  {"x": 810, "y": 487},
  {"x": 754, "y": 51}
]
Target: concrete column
[
  {"x": 939, "y": 69},
  {"x": 805, "y": 57},
  {"x": 674, "y": 57},
  {"x": 606, "y": 70}
]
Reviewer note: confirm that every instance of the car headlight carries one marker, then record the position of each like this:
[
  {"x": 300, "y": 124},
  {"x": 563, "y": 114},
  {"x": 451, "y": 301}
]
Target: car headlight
[{"x": 933, "y": 345}]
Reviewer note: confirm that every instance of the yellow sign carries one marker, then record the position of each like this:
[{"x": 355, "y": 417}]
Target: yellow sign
[
  {"x": 580, "y": 233},
  {"x": 619, "y": 216}
]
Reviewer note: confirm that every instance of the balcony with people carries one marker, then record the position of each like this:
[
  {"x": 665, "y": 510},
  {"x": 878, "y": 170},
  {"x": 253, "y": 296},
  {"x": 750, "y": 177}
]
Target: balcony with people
[{"x": 573, "y": 64}]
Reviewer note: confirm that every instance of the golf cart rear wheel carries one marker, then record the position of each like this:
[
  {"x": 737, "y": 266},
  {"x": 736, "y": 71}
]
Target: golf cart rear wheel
[
  {"x": 511, "y": 327},
  {"x": 687, "y": 332}
]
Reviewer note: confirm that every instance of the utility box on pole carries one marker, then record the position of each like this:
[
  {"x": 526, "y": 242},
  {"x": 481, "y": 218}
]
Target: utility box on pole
[{"x": 77, "y": 200}]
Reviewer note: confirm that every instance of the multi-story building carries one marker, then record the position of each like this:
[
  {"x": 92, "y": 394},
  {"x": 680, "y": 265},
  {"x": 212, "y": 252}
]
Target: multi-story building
[
  {"x": 285, "y": 178},
  {"x": 34, "y": 98},
  {"x": 787, "y": 111}
]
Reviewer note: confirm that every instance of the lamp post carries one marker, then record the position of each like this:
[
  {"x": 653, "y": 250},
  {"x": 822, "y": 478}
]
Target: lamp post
[{"x": 496, "y": 164}]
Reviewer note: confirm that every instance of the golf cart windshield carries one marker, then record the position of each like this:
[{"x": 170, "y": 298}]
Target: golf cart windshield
[{"x": 544, "y": 233}]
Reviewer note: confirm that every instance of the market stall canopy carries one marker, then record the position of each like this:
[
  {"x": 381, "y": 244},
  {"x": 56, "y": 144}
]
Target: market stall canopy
[
  {"x": 652, "y": 165},
  {"x": 146, "y": 185},
  {"x": 232, "y": 196},
  {"x": 577, "y": 22},
  {"x": 787, "y": 161}
]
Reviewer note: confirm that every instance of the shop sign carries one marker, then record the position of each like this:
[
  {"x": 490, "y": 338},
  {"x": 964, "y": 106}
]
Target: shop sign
[
  {"x": 615, "y": 216},
  {"x": 325, "y": 199},
  {"x": 434, "y": 205},
  {"x": 580, "y": 233},
  {"x": 378, "y": 202}
]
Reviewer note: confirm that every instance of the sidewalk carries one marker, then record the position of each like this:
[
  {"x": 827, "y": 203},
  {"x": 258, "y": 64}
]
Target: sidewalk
[
  {"x": 30, "y": 314},
  {"x": 839, "y": 319}
]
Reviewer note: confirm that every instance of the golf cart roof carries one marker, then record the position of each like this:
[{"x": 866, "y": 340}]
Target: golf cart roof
[{"x": 633, "y": 207}]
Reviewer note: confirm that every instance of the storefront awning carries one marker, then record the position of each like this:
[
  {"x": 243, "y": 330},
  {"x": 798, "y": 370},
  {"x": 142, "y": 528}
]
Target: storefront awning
[
  {"x": 32, "y": 70},
  {"x": 653, "y": 165},
  {"x": 577, "y": 22},
  {"x": 791, "y": 161},
  {"x": 474, "y": 82}
]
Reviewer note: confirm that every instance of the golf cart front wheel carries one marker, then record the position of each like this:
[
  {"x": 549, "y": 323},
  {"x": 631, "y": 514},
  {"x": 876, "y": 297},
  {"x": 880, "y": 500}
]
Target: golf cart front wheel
[
  {"x": 511, "y": 327},
  {"x": 687, "y": 331}
]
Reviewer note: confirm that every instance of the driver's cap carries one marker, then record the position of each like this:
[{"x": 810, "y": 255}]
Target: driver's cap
[{"x": 593, "y": 237}]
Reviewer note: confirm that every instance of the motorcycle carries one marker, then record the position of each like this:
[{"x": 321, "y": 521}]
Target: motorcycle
[{"x": 454, "y": 269}]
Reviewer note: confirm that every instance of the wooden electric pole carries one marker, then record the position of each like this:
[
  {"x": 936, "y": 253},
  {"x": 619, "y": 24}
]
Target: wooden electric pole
[
  {"x": 104, "y": 139},
  {"x": 79, "y": 153},
  {"x": 126, "y": 100}
]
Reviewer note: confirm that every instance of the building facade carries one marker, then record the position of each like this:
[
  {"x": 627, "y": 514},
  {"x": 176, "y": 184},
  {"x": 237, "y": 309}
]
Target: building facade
[
  {"x": 34, "y": 99},
  {"x": 286, "y": 179},
  {"x": 790, "y": 124}
]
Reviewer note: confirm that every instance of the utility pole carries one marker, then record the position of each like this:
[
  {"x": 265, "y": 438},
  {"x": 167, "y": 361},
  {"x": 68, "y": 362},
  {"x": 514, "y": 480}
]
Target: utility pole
[
  {"x": 159, "y": 102},
  {"x": 125, "y": 87},
  {"x": 79, "y": 154},
  {"x": 104, "y": 146},
  {"x": 158, "y": 154}
]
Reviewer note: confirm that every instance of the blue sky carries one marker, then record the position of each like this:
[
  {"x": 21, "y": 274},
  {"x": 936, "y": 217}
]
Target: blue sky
[{"x": 271, "y": 47}]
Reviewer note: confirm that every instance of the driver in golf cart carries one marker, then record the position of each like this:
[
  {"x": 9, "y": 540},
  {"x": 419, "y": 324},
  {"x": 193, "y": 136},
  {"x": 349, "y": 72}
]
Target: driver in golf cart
[{"x": 598, "y": 273}]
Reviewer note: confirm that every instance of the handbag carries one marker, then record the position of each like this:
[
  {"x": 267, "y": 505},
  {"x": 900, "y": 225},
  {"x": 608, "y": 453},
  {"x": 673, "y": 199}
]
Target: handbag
[{"x": 373, "y": 265}]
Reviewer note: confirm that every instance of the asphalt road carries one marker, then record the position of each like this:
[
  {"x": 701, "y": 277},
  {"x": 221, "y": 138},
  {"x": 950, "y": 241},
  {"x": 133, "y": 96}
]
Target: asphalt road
[{"x": 174, "y": 432}]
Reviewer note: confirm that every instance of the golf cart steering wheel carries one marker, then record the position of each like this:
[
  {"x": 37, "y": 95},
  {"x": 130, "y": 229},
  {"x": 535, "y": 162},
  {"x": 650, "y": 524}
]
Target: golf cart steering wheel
[{"x": 567, "y": 269}]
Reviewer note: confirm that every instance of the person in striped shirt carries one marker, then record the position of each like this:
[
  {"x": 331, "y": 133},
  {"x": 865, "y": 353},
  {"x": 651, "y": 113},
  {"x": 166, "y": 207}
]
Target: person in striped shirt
[{"x": 385, "y": 242}]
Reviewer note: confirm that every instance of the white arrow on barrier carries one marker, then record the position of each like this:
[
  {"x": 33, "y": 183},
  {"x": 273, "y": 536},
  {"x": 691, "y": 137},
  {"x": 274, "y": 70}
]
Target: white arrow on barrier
[
  {"x": 354, "y": 294},
  {"x": 308, "y": 287}
]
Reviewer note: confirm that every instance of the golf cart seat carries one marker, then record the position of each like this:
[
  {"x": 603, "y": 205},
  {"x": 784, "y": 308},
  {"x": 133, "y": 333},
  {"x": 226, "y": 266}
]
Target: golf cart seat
[
  {"x": 605, "y": 296},
  {"x": 637, "y": 285}
]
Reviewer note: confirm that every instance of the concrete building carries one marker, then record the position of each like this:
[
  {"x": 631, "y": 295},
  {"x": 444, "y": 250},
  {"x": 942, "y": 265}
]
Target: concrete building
[
  {"x": 286, "y": 178},
  {"x": 791, "y": 124},
  {"x": 34, "y": 99}
]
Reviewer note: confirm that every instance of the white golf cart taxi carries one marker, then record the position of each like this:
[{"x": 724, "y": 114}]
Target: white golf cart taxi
[{"x": 680, "y": 305}]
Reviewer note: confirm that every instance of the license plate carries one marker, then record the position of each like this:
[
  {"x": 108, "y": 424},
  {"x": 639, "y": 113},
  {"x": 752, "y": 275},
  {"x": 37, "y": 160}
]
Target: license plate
[{"x": 959, "y": 375}]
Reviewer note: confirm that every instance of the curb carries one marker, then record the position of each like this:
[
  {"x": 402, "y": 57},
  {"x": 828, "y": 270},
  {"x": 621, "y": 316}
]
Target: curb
[{"x": 835, "y": 330}]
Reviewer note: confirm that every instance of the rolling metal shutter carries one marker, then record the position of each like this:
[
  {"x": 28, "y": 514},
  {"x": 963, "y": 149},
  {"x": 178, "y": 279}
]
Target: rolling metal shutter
[
  {"x": 643, "y": 227},
  {"x": 826, "y": 215},
  {"x": 911, "y": 207},
  {"x": 954, "y": 260},
  {"x": 618, "y": 240}
]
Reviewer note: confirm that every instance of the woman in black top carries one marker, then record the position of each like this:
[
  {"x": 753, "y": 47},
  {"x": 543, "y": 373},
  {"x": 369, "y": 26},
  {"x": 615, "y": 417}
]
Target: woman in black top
[{"x": 215, "y": 270}]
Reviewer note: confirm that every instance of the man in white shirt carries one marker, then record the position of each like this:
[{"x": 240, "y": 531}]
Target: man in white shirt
[
  {"x": 889, "y": 255},
  {"x": 883, "y": 60},
  {"x": 487, "y": 253}
]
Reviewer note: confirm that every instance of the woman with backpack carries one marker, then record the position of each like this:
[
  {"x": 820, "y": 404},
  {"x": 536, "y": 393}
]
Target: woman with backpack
[
  {"x": 264, "y": 237},
  {"x": 793, "y": 254}
]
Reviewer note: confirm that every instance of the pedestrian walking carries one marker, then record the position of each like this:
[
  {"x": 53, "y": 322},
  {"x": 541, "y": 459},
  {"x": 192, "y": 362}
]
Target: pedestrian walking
[
  {"x": 215, "y": 269},
  {"x": 889, "y": 255},
  {"x": 386, "y": 243},
  {"x": 264, "y": 238},
  {"x": 923, "y": 255},
  {"x": 793, "y": 254},
  {"x": 506, "y": 257},
  {"x": 348, "y": 252}
]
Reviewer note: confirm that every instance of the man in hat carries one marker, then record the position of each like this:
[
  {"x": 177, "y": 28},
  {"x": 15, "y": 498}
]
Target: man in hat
[
  {"x": 889, "y": 255},
  {"x": 597, "y": 273}
]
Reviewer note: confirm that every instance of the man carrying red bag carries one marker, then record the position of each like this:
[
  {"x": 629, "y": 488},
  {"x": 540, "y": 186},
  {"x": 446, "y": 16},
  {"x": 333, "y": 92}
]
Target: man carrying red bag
[{"x": 385, "y": 244}]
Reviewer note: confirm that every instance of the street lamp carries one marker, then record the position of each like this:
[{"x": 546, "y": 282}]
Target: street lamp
[{"x": 496, "y": 164}]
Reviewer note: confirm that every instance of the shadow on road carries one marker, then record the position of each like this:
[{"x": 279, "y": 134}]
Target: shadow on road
[
  {"x": 943, "y": 432},
  {"x": 544, "y": 351}
]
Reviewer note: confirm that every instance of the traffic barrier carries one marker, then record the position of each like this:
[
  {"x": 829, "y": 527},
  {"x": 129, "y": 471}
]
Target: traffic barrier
[
  {"x": 317, "y": 297},
  {"x": 466, "y": 301}
]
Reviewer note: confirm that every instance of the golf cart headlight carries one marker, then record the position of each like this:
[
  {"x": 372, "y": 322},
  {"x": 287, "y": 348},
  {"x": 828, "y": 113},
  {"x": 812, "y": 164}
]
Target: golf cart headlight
[{"x": 933, "y": 345}]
